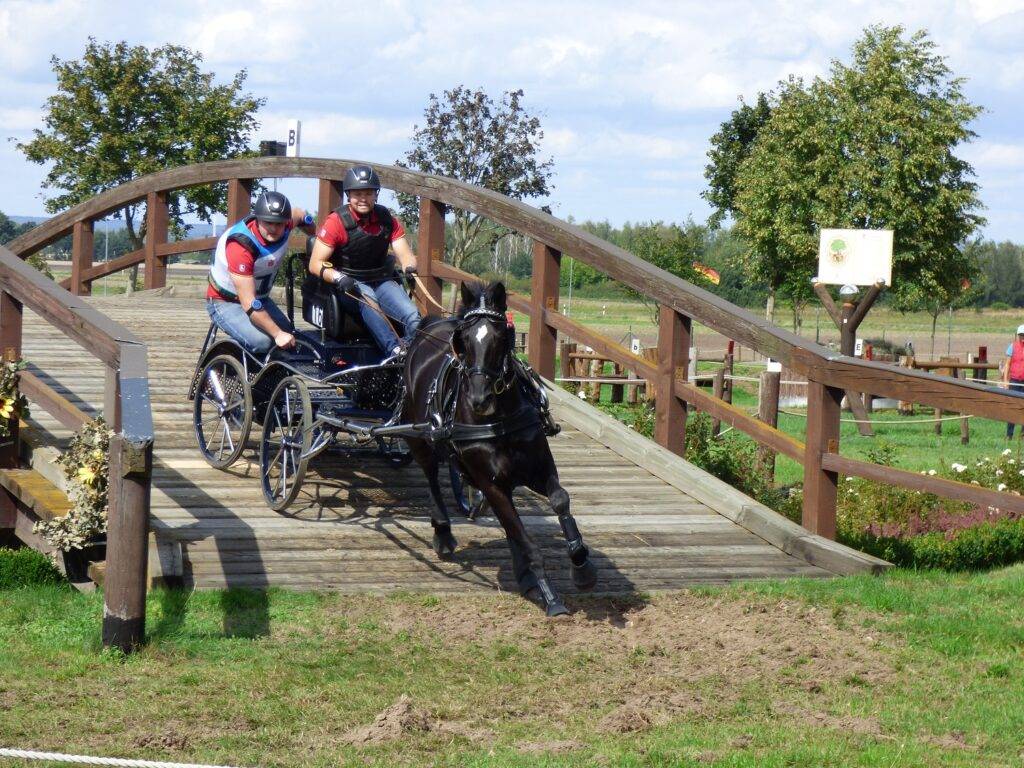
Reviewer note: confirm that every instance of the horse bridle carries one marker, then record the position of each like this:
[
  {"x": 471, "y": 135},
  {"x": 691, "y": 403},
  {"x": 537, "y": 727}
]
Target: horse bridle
[{"x": 501, "y": 381}]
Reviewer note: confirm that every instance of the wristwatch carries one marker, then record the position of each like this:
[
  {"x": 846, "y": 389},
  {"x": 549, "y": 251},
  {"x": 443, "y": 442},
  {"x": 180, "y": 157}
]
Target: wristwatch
[
  {"x": 256, "y": 306},
  {"x": 308, "y": 219}
]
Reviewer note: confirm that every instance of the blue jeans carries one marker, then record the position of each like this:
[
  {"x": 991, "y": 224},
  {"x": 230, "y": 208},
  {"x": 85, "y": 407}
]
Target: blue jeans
[
  {"x": 1016, "y": 385},
  {"x": 231, "y": 318},
  {"x": 396, "y": 304}
]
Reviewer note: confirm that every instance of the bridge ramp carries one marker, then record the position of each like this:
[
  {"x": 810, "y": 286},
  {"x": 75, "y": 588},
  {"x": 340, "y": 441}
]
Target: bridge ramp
[{"x": 361, "y": 525}]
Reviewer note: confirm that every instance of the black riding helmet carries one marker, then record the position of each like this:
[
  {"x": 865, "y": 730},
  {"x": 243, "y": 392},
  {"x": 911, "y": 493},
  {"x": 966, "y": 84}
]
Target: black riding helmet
[
  {"x": 360, "y": 177},
  {"x": 272, "y": 207}
]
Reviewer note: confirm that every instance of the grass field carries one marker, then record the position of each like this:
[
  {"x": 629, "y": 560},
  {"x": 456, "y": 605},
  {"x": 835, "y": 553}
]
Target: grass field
[{"x": 908, "y": 669}]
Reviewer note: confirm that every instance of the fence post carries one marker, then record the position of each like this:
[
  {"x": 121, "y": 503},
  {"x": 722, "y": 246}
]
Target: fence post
[
  {"x": 543, "y": 298},
  {"x": 10, "y": 349},
  {"x": 821, "y": 485},
  {"x": 81, "y": 257},
  {"x": 728, "y": 365},
  {"x": 430, "y": 250},
  {"x": 329, "y": 198},
  {"x": 768, "y": 412},
  {"x": 617, "y": 389},
  {"x": 124, "y": 587},
  {"x": 156, "y": 235},
  {"x": 674, "y": 333},
  {"x": 239, "y": 199},
  {"x": 718, "y": 390}
]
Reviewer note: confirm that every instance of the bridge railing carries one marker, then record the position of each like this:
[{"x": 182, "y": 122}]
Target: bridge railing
[
  {"x": 680, "y": 303},
  {"x": 126, "y": 410}
]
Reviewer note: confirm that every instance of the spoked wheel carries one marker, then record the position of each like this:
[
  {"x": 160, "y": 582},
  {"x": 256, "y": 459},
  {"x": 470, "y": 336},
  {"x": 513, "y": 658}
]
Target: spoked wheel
[
  {"x": 284, "y": 447},
  {"x": 222, "y": 411},
  {"x": 394, "y": 450}
]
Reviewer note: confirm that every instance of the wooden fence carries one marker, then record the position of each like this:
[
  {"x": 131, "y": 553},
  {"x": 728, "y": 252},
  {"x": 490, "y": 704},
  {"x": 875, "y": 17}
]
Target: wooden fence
[
  {"x": 127, "y": 412},
  {"x": 828, "y": 373}
]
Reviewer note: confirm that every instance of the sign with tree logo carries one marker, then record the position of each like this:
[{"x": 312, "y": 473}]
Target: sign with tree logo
[{"x": 855, "y": 256}]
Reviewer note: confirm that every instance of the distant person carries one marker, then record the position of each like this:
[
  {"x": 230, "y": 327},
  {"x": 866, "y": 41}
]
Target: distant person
[
  {"x": 245, "y": 263},
  {"x": 1013, "y": 370}
]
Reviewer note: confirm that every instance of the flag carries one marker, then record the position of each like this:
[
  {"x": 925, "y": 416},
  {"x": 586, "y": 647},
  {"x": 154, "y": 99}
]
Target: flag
[{"x": 708, "y": 272}]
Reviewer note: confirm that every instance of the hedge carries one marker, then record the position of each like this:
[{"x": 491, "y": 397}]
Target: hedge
[{"x": 26, "y": 567}]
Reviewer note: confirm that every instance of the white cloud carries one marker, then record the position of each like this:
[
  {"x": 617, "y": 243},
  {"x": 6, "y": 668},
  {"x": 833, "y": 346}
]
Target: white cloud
[{"x": 20, "y": 120}]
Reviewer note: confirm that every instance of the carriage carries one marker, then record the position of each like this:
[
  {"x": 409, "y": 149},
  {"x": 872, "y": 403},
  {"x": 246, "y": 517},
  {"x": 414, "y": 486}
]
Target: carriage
[
  {"x": 471, "y": 403},
  {"x": 333, "y": 390}
]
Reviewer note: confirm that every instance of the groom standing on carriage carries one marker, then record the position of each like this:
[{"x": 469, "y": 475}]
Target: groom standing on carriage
[{"x": 352, "y": 252}]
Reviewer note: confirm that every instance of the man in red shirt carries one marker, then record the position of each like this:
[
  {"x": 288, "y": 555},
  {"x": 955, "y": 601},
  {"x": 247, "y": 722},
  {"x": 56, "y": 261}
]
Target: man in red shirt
[
  {"x": 352, "y": 252},
  {"x": 245, "y": 263}
]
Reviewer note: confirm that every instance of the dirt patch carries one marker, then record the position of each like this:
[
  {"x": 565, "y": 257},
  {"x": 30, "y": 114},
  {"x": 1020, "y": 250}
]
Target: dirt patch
[
  {"x": 547, "y": 747},
  {"x": 403, "y": 718},
  {"x": 676, "y": 655},
  {"x": 393, "y": 723},
  {"x": 169, "y": 739}
]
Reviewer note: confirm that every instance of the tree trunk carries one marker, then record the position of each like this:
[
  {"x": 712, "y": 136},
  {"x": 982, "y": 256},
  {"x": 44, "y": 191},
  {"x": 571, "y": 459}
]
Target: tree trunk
[
  {"x": 769, "y": 307},
  {"x": 935, "y": 320},
  {"x": 136, "y": 239}
]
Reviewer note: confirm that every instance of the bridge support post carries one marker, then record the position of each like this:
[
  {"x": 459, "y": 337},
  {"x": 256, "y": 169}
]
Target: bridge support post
[
  {"x": 543, "y": 298},
  {"x": 81, "y": 257},
  {"x": 674, "y": 333},
  {"x": 10, "y": 349},
  {"x": 239, "y": 199},
  {"x": 430, "y": 250},
  {"x": 156, "y": 235},
  {"x": 330, "y": 197},
  {"x": 821, "y": 486},
  {"x": 124, "y": 588}
]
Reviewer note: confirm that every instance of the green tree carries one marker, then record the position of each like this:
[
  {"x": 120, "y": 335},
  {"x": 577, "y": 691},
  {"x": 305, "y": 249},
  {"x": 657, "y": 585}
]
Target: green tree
[
  {"x": 10, "y": 229},
  {"x": 670, "y": 247},
  {"x": 1002, "y": 268},
  {"x": 730, "y": 146},
  {"x": 123, "y": 111},
  {"x": 872, "y": 146},
  {"x": 469, "y": 137}
]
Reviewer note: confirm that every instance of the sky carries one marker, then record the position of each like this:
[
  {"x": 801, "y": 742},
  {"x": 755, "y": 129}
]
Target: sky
[{"x": 628, "y": 93}]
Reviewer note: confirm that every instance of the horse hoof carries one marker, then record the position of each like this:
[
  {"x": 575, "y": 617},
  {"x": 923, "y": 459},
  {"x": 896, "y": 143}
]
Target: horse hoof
[
  {"x": 444, "y": 544},
  {"x": 556, "y": 608},
  {"x": 584, "y": 576}
]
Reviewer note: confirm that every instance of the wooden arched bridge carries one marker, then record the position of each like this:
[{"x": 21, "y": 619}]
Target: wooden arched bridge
[{"x": 654, "y": 520}]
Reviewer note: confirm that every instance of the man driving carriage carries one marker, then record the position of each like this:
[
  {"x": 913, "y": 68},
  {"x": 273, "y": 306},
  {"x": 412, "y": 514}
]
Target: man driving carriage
[
  {"x": 245, "y": 263},
  {"x": 351, "y": 252}
]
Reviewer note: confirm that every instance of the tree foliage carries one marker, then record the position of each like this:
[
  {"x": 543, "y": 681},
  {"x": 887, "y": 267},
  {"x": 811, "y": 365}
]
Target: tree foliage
[
  {"x": 467, "y": 136},
  {"x": 123, "y": 111},
  {"x": 730, "y": 146},
  {"x": 872, "y": 146},
  {"x": 10, "y": 229}
]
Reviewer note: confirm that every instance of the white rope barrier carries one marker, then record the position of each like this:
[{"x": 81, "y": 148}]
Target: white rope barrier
[
  {"x": 58, "y": 757},
  {"x": 889, "y": 421}
]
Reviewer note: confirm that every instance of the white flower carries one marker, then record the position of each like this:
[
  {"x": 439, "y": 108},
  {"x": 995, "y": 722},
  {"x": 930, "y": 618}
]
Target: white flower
[
  {"x": 958, "y": 467},
  {"x": 999, "y": 473},
  {"x": 975, "y": 482},
  {"x": 1001, "y": 487},
  {"x": 1007, "y": 452},
  {"x": 1021, "y": 473},
  {"x": 1011, "y": 461},
  {"x": 849, "y": 478},
  {"x": 931, "y": 472},
  {"x": 583, "y": 395}
]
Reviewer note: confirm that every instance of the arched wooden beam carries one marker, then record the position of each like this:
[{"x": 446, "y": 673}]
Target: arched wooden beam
[{"x": 733, "y": 322}]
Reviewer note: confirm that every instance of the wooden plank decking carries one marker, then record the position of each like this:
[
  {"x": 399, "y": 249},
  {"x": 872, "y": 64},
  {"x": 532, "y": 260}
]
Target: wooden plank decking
[{"x": 361, "y": 525}]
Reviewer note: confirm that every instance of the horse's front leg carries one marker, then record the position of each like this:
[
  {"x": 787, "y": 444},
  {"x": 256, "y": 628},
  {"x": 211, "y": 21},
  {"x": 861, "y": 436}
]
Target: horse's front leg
[
  {"x": 527, "y": 560},
  {"x": 443, "y": 541},
  {"x": 545, "y": 482}
]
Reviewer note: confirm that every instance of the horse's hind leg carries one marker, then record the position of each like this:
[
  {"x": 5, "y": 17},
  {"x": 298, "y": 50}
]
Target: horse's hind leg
[
  {"x": 443, "y": 541},
  {"x": 584, "y": 572},
  {"x": 527, "y": 560}
]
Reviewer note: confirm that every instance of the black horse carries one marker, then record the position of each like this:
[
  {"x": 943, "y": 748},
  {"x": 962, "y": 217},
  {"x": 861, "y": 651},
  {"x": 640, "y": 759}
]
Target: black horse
[{"x": 489, "y": 418}]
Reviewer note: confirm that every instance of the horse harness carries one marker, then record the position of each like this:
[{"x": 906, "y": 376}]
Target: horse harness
[{"x": 443, "y": 396}]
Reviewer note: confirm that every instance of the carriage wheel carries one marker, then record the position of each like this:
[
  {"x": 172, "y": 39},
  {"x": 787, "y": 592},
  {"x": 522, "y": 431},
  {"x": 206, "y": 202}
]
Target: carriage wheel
[
  {"x": 394, "y": 450},
  {"x": 222, "y": 411},
  {"x": 284, "y": 447}
]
